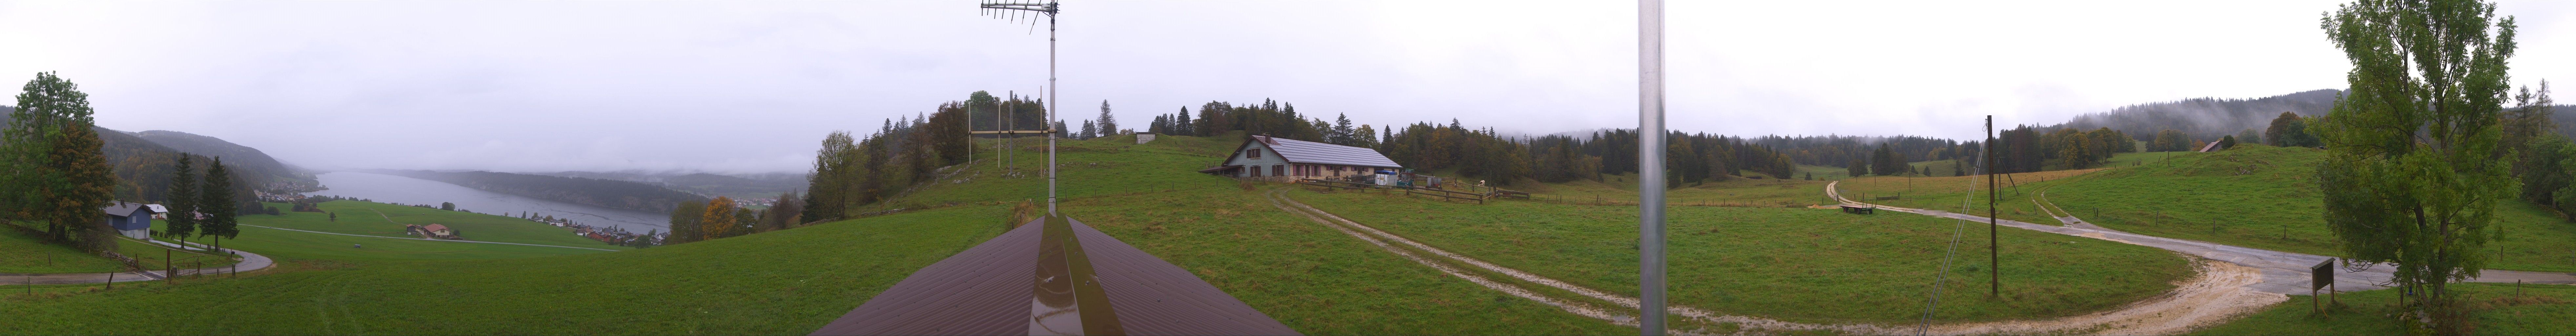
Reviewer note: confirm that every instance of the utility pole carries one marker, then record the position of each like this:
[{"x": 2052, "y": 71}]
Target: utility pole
[
  {"x": 1994, "y": 253},
  {"x": 1650, "y": 167}
]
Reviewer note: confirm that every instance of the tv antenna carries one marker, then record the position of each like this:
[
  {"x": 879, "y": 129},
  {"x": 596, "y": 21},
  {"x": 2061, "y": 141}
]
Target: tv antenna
[{"x": 1016, "y": 11}]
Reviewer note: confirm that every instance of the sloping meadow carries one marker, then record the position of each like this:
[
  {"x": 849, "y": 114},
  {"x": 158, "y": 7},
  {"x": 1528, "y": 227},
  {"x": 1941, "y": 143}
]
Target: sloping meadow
[
  {"x": 2266, "y": 197},
  {"x": 1793, "y": 264}
]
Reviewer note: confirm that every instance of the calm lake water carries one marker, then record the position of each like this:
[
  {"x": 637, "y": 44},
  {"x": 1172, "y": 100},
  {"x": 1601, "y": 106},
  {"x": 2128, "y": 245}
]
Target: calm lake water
[{"x": 405, "y": 190}]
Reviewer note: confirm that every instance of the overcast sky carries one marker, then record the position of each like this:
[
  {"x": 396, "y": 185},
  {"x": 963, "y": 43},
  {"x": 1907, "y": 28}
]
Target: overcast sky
[{"x": 753, "y": 86}]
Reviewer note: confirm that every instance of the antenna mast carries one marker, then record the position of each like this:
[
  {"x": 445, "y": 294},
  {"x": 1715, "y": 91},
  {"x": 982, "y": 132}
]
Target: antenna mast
[{"x": 1015, "y": 11}]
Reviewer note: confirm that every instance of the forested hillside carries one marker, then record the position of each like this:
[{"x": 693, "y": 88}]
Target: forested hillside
[
  {"x": 250, "y": 161},
  {"x": 143, "y": 167},
  {"x": 585, "y": 191},
  {"x": 2204, "y": 118}
]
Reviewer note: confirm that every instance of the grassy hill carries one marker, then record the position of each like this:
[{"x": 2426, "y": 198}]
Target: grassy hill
[
  {"x": 22, "y": 252},
  {"x": 2265, "y": 197},
  {"x": 757, "y": 284},
  {"x": 372, "y": 219},
  {"x": 1798, "y": 264},
  {"x": 789, "y": 282}
]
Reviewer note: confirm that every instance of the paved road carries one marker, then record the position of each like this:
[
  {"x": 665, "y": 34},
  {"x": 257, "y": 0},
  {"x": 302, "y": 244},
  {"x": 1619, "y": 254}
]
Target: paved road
[
  {"x": 249, "y": 262},
  {"x": 2283, "y": 272}
]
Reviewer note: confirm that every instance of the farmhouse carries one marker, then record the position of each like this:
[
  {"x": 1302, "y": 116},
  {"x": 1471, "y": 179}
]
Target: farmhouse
[
  {"x": 159, "y": 211},
  {"x": 431, "y": 231},
  {"x": 130, "y": 219},
  {"x": 1269, "y": 158}
]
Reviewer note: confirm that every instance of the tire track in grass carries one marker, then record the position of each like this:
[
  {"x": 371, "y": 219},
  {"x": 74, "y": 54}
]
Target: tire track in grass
[
  {"x": 2214, "y": 294},
  {"x": 1744, "y": 324},
  {"x": 1569, "y": 306}
]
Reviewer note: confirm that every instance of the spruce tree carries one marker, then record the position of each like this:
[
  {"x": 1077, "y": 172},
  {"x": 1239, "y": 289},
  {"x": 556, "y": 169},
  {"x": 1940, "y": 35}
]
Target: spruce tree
[
  {"x": 1108, "y": 123},
  {"x": 216, "y": 200},
  {"x": 182, "y": 200},
  {"x": 1341, "y": 134}
]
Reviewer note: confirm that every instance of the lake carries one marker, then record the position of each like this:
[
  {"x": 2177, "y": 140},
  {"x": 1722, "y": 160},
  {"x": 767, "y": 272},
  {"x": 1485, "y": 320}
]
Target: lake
[{"x": 405, "y": 190}]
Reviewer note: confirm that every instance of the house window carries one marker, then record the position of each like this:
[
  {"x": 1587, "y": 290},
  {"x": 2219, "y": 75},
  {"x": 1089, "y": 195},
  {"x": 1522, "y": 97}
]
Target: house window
[
  {"x": 1254, "y": 153},
  {"x": 1278, "y": 170}
]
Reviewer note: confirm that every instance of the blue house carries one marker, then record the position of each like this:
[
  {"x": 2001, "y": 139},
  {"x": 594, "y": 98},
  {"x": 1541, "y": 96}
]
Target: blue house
[{"x": 130, "y": 219}]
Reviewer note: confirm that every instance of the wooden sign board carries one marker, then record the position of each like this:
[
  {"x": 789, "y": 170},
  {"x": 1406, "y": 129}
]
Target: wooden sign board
[{"x": 2321, "y": 275}]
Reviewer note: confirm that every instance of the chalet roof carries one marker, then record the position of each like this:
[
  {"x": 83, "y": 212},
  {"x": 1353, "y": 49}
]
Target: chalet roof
[
  {"x": 1300, "y": 151},
  {"x": 157, "y": 208},
  {"x": 434, "y": 227},
  {"x": 995, "y": 289},
  {"x": 122, "y": 208},
  {"x": 2211, "y": 147}
]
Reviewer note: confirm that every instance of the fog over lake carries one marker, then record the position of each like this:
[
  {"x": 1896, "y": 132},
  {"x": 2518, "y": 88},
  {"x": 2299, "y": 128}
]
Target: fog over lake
[{"x": 405, "y": 190}]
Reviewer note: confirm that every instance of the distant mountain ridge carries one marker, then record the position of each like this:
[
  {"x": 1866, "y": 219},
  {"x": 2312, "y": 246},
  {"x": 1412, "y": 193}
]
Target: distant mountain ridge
[
  {"x": 2211, "y": 118},
  {"x": 629, "y": 195}
]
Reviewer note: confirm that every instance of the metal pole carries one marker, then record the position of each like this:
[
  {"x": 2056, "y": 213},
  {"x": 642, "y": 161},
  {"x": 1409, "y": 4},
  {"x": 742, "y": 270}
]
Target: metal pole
[
  {"x": 1012, "y": 145},
  {"x": 1051, "y": 105},
  {"x": 1650, "y": 167},
  {"x": 1994, "y": 261}
]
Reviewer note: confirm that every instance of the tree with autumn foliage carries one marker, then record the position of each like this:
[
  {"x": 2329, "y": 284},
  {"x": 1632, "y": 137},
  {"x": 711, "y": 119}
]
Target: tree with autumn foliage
[
  {"x": 718, "y": 219},
  {"x": 54, "y": 170}
]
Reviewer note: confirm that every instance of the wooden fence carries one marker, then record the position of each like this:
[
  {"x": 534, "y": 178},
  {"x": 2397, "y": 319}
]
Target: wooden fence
[{"x": 1469, "y": 193}]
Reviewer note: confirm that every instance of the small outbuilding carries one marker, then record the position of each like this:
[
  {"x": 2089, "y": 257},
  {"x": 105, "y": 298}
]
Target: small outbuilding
[
  {"x": 159, "y": 211},
  {"x": 131, "y": 219},
  {"x": 1269, "y": 158}
]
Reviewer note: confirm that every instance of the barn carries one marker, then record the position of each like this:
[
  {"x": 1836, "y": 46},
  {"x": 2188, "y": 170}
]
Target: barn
[{"x": 1270, "y": 158}]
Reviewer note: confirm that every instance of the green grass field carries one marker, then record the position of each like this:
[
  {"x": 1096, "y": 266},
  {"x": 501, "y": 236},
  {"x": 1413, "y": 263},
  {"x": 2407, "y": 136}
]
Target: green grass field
[
  {"x": 1306, "y": 275},
  {"x": 1622, "y": 190},
  {"x": 789, "y": 282},
  {"x": 2498, "y": 309},
  {"x": 2264, "y": 197},
  {"x": 386, "y": 220},
  {"x": 1796, "y": 264},
  {"x": 769, "y": 283},
  {"x": 360, "y": 218},
  {"x": 23, "y": 253}
]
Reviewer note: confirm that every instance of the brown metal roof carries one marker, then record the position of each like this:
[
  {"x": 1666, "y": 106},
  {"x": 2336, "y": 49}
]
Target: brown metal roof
[{"x": 1018, "y": 284}]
